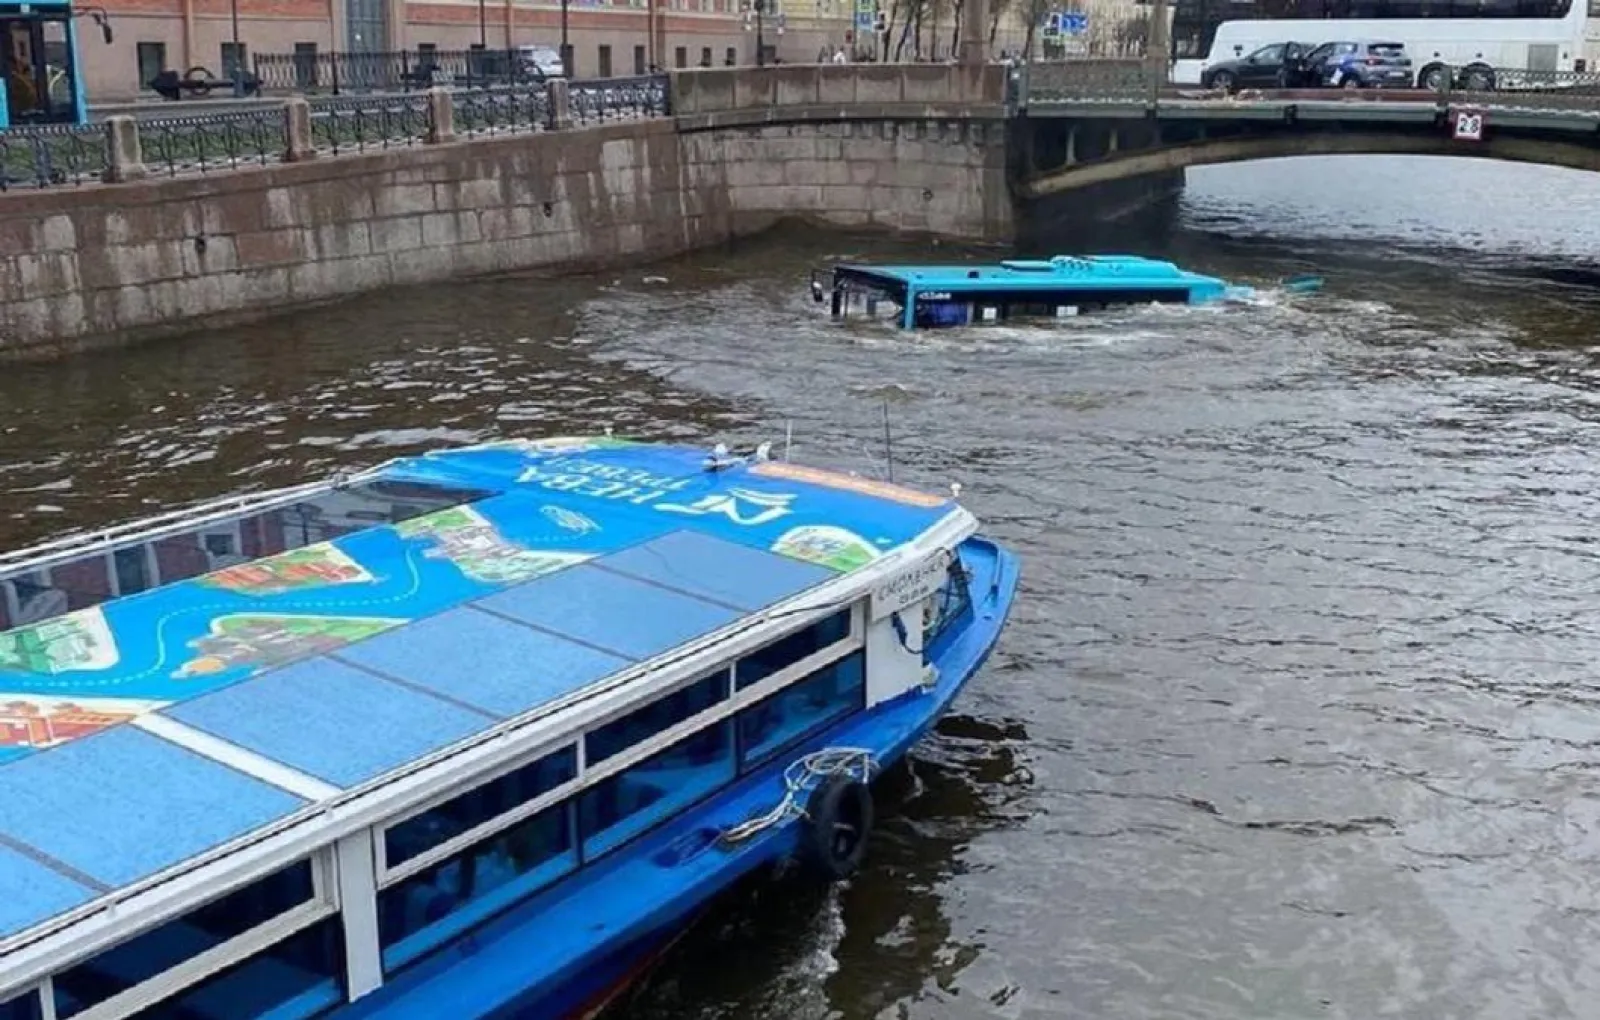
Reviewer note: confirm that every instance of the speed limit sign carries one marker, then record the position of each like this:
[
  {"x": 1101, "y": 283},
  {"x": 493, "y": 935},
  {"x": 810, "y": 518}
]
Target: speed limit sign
[{"x": 1466, "y": 125}]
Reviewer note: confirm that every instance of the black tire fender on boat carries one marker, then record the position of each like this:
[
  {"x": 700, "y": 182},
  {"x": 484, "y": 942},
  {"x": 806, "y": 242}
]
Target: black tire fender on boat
[{"x": 838, "y": 823}]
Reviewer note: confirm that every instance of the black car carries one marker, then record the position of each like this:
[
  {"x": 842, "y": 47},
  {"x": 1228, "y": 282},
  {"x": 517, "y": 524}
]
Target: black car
[{"x": 1278, "y": 66}]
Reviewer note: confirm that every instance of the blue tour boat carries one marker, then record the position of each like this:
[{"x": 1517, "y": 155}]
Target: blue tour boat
[
  {"x": 473, "y": 733},
  {"x": 932, "y": 296}
]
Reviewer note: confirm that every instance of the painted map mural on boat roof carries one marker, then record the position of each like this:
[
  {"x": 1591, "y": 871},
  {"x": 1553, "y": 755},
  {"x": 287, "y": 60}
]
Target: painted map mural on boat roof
[{"x": 103, "y": 639}]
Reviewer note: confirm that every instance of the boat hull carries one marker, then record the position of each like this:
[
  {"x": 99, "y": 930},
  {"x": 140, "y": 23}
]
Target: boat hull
[{"x": 527, "y": 965}]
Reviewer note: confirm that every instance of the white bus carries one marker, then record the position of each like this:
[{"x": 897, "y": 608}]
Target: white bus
[{"x": 1475, "y": 37}]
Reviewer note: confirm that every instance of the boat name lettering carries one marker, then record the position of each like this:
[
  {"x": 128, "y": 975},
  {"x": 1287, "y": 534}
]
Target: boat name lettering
[
  {"x": 934, "y": 295},
  {"x": 909, "y": 587},
  {"x": 601, "y": 481}
]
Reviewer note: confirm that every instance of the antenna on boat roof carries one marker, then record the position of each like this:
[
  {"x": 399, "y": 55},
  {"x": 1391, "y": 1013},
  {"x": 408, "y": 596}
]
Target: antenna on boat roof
[
  {"x": 888, "y": 441},
  {"x": 788, "y": 438}
]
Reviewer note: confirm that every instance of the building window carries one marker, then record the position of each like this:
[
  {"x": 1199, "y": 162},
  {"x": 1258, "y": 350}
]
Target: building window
[
  {"x": 732, "y": 56},
  {"x": 439, "y": 903},
  {"x": 787, "y": 651},
  {"x": 152, "y": 61},
  {"x": 204, "y": 932},
  {"x": 630, "y": 802},
  {"x": 459, "y": 815},
  {"x": 794, "y": 713},
  {"x": 305, "y": 65},
  {"x": 639, "y": 64},
  {"x": 27, "y": 1006},
  {"x": 661, "y": 714},
  {"x": 605, "y": 61},
  {"x": 680, "y": 57},
  {"x": 235, "y": 58},
  {"x": 705, "y": 56}
]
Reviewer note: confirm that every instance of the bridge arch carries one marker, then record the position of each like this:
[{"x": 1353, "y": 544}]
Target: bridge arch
[{"x": 1129, "y": 164}]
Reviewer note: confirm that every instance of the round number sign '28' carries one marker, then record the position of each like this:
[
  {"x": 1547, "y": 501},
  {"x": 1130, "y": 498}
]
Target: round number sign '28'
[{"x": 1468, "y": 125}]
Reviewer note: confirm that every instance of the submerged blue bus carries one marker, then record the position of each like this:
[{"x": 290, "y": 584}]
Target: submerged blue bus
[{"x": 41, "y": 77}]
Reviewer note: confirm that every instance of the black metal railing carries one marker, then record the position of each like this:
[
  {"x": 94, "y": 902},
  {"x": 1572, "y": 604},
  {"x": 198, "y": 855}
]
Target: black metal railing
[
  {"x": 337, "y": 73},
  {"x": 359, "y": 123},
  {"x": 52, "y": 155},
  {"x": 503, "y": 110},
  {"x": 1088, "y": 81},
  {"x": 604, "y": 99},
  {"x": 1581, "y": 86},
  {"x": 206, "y": 142}
]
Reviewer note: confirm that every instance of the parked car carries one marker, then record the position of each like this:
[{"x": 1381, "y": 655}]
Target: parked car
[
  {"x": 1278, "y": 66},
  {"x": 1361, "y": 64}
]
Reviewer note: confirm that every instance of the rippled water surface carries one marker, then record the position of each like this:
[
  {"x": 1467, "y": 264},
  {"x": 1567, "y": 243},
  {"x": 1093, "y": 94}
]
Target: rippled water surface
[{"x": 1299, "y": 713}]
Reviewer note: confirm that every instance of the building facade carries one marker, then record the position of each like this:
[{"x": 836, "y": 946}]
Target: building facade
[{"x": 608, "y": 37}]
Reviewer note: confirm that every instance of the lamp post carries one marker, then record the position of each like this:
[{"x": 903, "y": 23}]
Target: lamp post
[
  {"x": 483, "y": 24},
  {"x": 566, "y": 46},
  {"x": 761, "y": 39},
  {"x": 238, "y": 60},
  {"x": 758, "y": 8}
]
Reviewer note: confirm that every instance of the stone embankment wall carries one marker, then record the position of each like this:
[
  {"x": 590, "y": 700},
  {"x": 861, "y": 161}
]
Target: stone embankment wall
[{"x": 906, "y": 148}]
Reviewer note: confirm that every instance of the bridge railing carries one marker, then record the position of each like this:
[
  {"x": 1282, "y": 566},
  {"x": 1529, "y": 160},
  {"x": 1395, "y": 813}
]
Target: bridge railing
[
  {"x": 1090, "y": 81},
  {"x": 124, "y": 148},
  {"x": 1097, "y": 82}
]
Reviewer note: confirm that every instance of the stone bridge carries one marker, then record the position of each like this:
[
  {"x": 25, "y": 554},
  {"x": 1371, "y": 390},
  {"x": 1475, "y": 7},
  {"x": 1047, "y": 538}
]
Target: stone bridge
[
  {"x": 439, "y": 185},
  {"x": 1085, "y": 125}
]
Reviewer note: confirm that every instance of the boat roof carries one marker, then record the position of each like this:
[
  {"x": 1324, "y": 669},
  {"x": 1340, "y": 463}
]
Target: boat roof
[
  {"x": 1033, "y": 274},
  {"x": 333, "y": 664}
]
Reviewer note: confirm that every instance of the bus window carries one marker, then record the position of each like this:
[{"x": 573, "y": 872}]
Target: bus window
[
  {"x": 39, "y": 64},
  {"x": 38, "y": 67}
]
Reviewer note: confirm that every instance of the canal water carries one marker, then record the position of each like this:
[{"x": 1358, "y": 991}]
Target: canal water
[{"x": 1299, "y": 714}]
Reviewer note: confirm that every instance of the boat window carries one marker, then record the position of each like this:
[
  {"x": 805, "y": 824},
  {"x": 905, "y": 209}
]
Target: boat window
[
  {"x": 787, "y": 651},
  {"x": 459, "y": 815},
  {"x": 301, "y": 976},
  {"x": 947, "y": 605},
  {"x": 794, "y": 713},
  {"x": 159, "y": 950},
  {"x": 439, "y": 903},
  {"x": 630, "y": 802},
  {"x": 27, "y": 1006},
  {"x": 661, "y": 714},
  {"x": 95, "y": 578}
]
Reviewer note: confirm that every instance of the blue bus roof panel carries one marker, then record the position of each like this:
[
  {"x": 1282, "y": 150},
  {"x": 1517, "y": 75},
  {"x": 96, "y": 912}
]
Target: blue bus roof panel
[
  {"x": 498, "y": 666},
  {"x": 121, "y": 805},
  {"x": 34, "y": 892},
  {"x": 1023, "y": 276},
  {"x": 332, "y": 721}
]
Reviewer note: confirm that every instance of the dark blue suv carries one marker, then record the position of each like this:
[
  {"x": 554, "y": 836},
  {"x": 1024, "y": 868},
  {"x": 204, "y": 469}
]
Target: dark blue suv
[{"x": 1360, "y": 64}]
